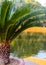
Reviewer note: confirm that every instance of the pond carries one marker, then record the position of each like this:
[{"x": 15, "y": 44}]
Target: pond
[{"x": 40, "y": 54}]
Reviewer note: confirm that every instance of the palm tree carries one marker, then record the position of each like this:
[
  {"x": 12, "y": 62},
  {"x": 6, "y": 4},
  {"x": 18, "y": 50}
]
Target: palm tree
[{"x": 13, "y": 23}]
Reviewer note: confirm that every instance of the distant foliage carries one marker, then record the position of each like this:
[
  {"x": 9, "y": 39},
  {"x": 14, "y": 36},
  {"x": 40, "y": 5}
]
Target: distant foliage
[{"x": 27, "y": 44}]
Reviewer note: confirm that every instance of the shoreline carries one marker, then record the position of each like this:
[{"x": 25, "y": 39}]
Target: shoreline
[{"x": 38, "y": 61}]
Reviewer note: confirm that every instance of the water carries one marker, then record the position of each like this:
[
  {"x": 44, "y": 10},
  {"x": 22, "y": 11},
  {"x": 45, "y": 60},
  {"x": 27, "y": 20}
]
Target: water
[{"x": 41, "y": 54}]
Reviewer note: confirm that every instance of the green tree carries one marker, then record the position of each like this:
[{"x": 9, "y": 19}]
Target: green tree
[
  {"x": 13, "y": 23},
  {"x": 27, "y": 44}
]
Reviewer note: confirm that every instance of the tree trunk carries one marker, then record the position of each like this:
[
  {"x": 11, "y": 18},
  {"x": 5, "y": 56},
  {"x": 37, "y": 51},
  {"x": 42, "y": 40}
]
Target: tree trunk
[{"x": 5, "y": 52}]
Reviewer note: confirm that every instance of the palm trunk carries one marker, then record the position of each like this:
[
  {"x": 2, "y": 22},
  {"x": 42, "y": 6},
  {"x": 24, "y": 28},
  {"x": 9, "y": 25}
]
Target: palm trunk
[{"x": 5, "y": 52}]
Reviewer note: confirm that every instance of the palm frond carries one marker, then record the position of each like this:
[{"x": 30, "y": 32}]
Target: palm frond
[
  {"x": 31, "y": 22},
  {"x": 30, "y": 15},
  {"x": 4, "y": 11},
  {"x": 22, "y": 18},
  {"x": 23, "y": 21},
  {"x": 19, "y": 13}
]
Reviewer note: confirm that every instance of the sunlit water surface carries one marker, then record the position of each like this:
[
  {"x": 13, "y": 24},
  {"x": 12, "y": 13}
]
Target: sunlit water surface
[{"x": 40, "y": 54}]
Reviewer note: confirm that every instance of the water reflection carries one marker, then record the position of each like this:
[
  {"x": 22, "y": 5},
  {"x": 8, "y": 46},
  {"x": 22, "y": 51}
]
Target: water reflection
[{"x": 41, "y": 54}]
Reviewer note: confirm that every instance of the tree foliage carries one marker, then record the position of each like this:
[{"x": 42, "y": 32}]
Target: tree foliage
[
  {"x": 13, "y": 22},
  {"x": 28, "y": 44}
]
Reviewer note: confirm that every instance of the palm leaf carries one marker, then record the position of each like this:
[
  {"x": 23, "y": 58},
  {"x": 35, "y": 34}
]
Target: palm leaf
[
  {"x": 31, "y": 22},
  {"x": 22, "y": 18},
  {"x": 22, "y": 21},
  {"x": 19, "y": 13},
  {"x": 30, "y": 15},
  {"x": 4, "y": 11}
]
